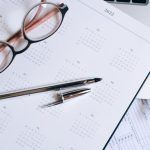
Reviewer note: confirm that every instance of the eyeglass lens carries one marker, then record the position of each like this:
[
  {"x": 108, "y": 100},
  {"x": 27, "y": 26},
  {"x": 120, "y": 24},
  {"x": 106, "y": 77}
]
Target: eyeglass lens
[
  {"x": 42, "y": 21},
  {"x": 6, "y": 56}
]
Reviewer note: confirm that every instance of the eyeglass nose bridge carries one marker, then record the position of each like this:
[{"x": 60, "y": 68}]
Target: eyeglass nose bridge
[{"x": 25, "y": 48}]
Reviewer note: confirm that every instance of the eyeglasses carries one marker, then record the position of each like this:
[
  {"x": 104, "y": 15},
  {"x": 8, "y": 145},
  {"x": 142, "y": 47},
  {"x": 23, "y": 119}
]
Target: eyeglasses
[{"x": 39, "y": 16}]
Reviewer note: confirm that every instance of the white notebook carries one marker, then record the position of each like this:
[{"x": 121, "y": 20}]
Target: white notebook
[{"x": 95, "y": 39}]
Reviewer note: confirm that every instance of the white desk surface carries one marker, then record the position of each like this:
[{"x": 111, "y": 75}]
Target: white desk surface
[{"x": 141, "y": 13}]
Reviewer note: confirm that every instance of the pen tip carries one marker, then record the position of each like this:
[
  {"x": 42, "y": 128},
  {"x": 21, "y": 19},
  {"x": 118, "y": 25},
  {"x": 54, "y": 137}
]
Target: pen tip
[
  {"x": 98, "y": 79},
  {"x": 52, "y": 104}
]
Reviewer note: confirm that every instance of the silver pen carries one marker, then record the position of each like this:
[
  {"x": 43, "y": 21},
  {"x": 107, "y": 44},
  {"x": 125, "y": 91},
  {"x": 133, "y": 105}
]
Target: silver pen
[
  {"x": 49, "y": 88},
  {"x": 66, "y": 96}
]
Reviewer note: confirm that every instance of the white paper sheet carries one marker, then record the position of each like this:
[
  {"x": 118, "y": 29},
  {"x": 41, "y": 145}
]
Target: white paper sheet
[
  {"x": 134, "y": 130},
  {"x": 94, "y": 40}
]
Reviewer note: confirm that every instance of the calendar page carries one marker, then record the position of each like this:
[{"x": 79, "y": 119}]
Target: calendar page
[{"x": 95, "y": 40}]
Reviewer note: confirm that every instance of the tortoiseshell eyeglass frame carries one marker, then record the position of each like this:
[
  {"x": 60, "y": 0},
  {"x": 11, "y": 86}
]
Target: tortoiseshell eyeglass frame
[{"x": 62, "y": 8}]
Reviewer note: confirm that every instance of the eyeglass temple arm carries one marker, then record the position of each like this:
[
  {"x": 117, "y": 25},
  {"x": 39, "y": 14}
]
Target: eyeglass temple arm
[{"x": 37, "y": 13}]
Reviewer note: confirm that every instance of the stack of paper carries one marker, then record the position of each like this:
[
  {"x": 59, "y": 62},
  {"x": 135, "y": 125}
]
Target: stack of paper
[{"x": 94, "y": 40}]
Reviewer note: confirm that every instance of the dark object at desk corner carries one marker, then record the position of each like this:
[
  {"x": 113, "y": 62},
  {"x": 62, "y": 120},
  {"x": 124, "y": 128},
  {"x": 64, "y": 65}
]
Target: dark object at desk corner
[{"x": 132, "y": 2}]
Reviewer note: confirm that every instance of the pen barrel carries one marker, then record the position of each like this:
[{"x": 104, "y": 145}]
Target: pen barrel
[
  {"x": 22, "y": 93},
  {"x": 39, "y": 90}
]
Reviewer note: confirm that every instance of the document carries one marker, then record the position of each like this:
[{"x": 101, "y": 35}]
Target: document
[
  {"x": 95, "y": 40},
  {"x": 134, "y": 130}
]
